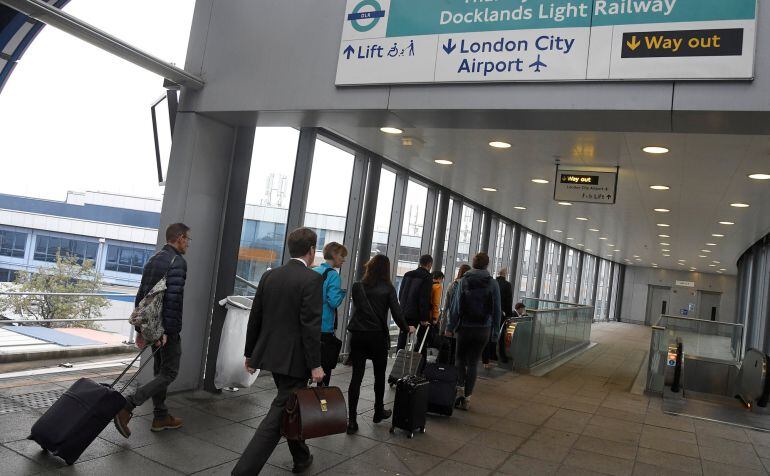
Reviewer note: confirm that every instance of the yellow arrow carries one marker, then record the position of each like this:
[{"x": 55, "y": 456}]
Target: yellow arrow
[{"x": 633, "y": 44}]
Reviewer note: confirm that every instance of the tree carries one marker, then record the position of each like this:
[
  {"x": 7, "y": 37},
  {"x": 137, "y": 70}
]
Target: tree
[{"x": 67, "y": 276}]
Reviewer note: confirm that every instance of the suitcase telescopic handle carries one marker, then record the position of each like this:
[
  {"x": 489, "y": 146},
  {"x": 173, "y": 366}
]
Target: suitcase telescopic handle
[{"x": 141, "y": 367}]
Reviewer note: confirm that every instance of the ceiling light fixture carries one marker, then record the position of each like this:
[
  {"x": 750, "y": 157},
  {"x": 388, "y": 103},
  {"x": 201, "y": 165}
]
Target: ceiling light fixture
[
  {"x": 740, "y": 205},
  {"x": 581, "y": 218},
  {"x": 520, "y": 208},
  {"x": 616, "y": 251},
  {"x": 558, "y": 231},
  {"x": 717, "y": 235},
  {"x": 665, "y": 251},
  {"x": 500, "y": 145},
  {"x": 665, "y": 244},
  {"x": 716, "y": 262},
  {"x": 594, "y": 230},
  {"x": 603, "y": 238},
  {"x": 570, "y": 238},
  {"x": 655, "y": 150},
  {"x": 760, "y": 176},
  {"x": 662, "y": 210},
  {"x": 540, "y": 181},
  {"x": 667, "y": 256},
  {"x": 565, "y": 204},
  {"x": 726, "y": 223},
  {"x": 702, "y": 256},
  {"x": 660, "y": 187},
  {"x": 392, "y": 130},
  {"x": 705, "y": 251},
  {"x": 542, "y": 221},
  {"x": 722, "y": 269},
  {"x": 711, "y": 244},
  {"x": 663, "y": 225},
  {"x": 664, "y": 236},
  {"x": 489, "y": 189},
  {"x": 443, "y": 162},
  {"x": 712, "y": 266}
]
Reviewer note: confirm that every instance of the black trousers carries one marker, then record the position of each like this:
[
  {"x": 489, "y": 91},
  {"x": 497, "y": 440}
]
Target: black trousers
[
  {"x": 166, "y": 368},
  {"x": 470, "y": 345},
  {"x": 268, "y": 434},
  {"x": 372, "y": 346}
]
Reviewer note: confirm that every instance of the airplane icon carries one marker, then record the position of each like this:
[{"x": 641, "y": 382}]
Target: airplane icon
[{"x": 538, "y": 64}]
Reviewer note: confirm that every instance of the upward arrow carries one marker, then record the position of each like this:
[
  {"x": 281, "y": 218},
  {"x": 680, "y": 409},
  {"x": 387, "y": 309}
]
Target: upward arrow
[
  {"x": 633, "y": 44},
  {"x": 449, "y": 47},
  {"x": 349, "y": 51}
]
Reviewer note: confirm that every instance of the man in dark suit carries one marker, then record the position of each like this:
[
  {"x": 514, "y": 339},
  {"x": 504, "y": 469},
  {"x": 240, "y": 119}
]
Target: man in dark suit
[{"x": 284, "y": 337}]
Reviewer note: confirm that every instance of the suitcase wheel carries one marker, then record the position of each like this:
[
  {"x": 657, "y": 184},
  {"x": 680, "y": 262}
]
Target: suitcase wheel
[{"x": 410, "y": 435}]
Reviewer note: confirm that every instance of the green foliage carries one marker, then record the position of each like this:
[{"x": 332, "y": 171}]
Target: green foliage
[{"x": 67, "y": 276}]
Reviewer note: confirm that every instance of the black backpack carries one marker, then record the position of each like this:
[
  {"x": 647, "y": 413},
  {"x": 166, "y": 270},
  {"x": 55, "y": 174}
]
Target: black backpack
[{"x": 476, "y": 300}]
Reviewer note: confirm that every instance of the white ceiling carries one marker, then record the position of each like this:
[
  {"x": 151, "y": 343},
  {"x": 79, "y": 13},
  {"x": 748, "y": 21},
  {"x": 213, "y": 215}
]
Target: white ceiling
[{"x": 706, "y": 174}]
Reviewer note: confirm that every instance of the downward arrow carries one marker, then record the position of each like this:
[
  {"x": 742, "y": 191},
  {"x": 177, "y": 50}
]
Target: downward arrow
[
  {"x": 633, "y": 44},
  {"x": 349, "y": 51},
  {"x": 449, "y": 47}
]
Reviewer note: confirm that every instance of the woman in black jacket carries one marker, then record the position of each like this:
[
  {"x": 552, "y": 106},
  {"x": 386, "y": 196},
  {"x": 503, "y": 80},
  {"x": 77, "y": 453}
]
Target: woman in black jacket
[{"x": 370, "y": 334}]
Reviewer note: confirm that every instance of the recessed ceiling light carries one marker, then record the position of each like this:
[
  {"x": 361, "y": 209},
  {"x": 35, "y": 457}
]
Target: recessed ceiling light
[
  {"x": 500, "y": 145},
  {"x": 662, "y": 210},
  {"x": 570, "y": 238},
  {"x": 702, "y": 256},
  {"x": 616, "y": 251},
  {"x": 392, "y": 130},
  {"x": 489, "y": 189},
  {"x": 722, "y": 269},
  {"x": 656, "y": 150},
  {"x": 581, "y": 218},
  {"x": 637, "y": 256},
  {"x": 740, "y": 205},
  {"x": 717, "y": 235},
  {"x": 681, "y": 260},
  {"x": 712, "y": 266},
  {"x": 565, "y": 204},
  {"x": 603, "y": 238},
  {"x": 540, "y": 181},
  {"x": 682, "y": 264},
  {"x": 558, "y": 231},
  {"x": 542, "y": 221},
  {"x": 663, "y": 225},
  {"x": 443, "y": 162},
  {"x": 726, "y": 223},
  {"x": 705, "y": 251},
  {"x": 610, "y": 245},
  {"x": 760, "y": 176},
  {"x": 719, "y": 272},
  {"x": 610, "y": 255},
  {"x": 716, "y": 262},
  {"x": 581, "y": 245},
  {"x": 655, "y": 264},
  {"x": 665, "y": 251},
  {"x": 665, "y": 244},
  {"x": 660, "y": 187},
  {"x": 664, "y": 236},
  {"x": 711, "y": 244},
  {"x": 667, "y": 256},
  {"x": 520, "y": 208},
  {"x": 638, "y": 259},
  {"x": 590, "y": 251},
  {"x": 594, "y": 230}
]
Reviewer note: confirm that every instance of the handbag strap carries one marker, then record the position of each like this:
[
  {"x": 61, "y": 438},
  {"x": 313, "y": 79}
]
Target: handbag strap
[{"x": 368, "y": 303}]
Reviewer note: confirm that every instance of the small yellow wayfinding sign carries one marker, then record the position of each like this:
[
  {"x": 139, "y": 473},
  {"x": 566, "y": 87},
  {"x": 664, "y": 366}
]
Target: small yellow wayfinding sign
[{"x": 672, "y": 44}]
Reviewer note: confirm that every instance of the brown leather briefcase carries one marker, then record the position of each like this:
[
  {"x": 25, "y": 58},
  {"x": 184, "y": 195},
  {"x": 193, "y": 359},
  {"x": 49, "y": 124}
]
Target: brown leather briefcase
[{"x": 314, "y": 412}]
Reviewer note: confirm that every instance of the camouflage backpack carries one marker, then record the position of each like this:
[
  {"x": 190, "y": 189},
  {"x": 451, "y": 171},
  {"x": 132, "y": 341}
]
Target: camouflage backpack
[{"x": 148, "y": 315}]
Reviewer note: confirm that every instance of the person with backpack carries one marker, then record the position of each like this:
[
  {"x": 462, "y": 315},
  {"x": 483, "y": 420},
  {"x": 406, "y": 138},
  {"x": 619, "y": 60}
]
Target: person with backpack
[
  {"x": 414, "y": 295},
  {"x": 333, "y": 295},
  {"x": 373, "y": 297},
  {"x": 168, "y": 263},
  {"x": 474, "y": 316}
]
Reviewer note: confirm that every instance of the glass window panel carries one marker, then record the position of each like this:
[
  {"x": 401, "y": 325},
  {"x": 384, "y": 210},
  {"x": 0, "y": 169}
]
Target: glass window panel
[
  {"x": 464, "y": 242},
  {"x": 587, "y": 280},
  {"x": 383, "y": 214},
  {"x": 412, "y": 229},
  {"x": 12, "y": 243},
  {"x": 446, "y": 239},
  {"x": 267, "y": 203},
  {"x": 571, "y": 270}
]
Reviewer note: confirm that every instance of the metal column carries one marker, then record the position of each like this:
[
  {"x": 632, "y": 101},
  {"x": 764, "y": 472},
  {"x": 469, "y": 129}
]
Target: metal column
[
  {"x": 303, "y": 168},
  {"x": 579, "y": 283},
  {"x": 441, "y": 222},
  {"x": 369, "y": 214},
  {"x": 478, "y": 218},
  {"x": 429, "y": 221},
  {"x": 227, "y": 265},
  {"x": 397, "y": 221},
  {"x": 562, "y": 261},
  {"x": 609, "y": 289},
  {"x": 596, "y": 281},
  {"x": 454, "y": 237},
  {"x": 619, "y": 297},
  {"x": 514, "y": 272},
  {"x": 486, "y": 232},
  {"x": 543, "y": 241}
]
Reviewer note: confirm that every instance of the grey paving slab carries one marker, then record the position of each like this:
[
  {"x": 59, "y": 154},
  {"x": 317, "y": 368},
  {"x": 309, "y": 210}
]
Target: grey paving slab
[
  {"x": 196, "y": 421},
  {"x": 455, "y": 468},
  {"x": 99, "y": 448},
  {"x": 125, "y": 463},
  {"x": 527, "y": 466},
  {"x": 234, "y": 437},
  {"x": 234, "y": 409},
  {"x": 187, "y": 454},
  {"x": 344, "y": 444},
  {"x": 141, "y": 435},
  {"x": 599, "y": 463},
  {"x": 16, "y": 464},
  {"x": 322, "y": 459},
  {"x": 397, "y": 459},
  {"x": 480, "y": 456},
  {"x": 16, "y": 426}
]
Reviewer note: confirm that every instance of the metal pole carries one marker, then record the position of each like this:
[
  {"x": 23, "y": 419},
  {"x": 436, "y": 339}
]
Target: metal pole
[
  {"x": 369, "y": 215},
  {"x": 300, "y": 187},
  {"x": 441, "y": 221},
  {"x": 579, "y": 281},
  {"x": 543, "y": 242},
  {"x": 562, "y": 261},
  {"x": 486, "y": 231},
  {"x": 56, "y": 18}
]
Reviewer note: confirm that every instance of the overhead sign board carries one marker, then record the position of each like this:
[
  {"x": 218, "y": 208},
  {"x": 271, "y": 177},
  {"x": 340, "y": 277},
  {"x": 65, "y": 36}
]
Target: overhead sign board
[
  {"x": 686, "y": 284},
  {"x": 585, "y": 185},
  {"x": 447, "y": 41}
]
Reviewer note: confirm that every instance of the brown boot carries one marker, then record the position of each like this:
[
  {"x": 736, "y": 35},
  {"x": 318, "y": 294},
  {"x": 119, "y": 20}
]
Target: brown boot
[
  {"x": 121, "y": 422},
  {"x": 166, "y": 423}
]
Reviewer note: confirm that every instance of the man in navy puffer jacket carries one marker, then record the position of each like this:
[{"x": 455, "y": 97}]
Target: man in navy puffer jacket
[{"x": 168, "y": 262}]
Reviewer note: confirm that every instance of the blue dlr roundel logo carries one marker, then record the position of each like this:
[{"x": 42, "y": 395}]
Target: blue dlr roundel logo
[{"x": 359, "y": 18}]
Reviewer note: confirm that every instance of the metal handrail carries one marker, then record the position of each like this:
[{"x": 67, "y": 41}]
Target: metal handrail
[
  {"x": 557, "y": 302},
  {"x": 246, "y": 282},
  {"x": 40, "y": 321},
  {"x": 699, "y": 320}
]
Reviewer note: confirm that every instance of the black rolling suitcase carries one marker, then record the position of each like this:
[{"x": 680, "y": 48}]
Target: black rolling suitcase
[
  {"x": 74, "y": 421},
  {"x": 411, "y": 402},
  {"x": 442, "y": 390}
]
